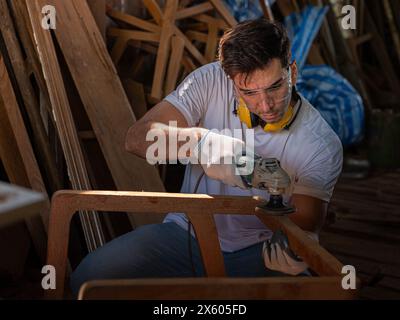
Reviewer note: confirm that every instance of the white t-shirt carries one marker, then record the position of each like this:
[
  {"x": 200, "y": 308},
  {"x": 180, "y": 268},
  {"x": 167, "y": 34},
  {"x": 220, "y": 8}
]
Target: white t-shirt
[{"x": 310, "y": 152}]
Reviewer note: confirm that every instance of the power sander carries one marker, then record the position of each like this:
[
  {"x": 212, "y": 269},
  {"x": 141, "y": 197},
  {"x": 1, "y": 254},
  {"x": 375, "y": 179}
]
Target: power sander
[{"x": 269, "y": 175}]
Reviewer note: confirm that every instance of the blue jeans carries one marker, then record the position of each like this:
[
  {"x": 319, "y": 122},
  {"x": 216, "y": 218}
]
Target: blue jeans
[{"x": 161, "y": 251}]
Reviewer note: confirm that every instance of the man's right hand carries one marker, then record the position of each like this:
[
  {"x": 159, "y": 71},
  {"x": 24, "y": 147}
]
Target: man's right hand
[{"x": 220, "y": 155}]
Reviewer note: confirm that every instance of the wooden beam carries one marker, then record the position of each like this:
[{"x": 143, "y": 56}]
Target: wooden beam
[
  {"x": 175, "y": 63},
  {"x": 197, "y": 36},
  {"x": 31, "y": 102},
  {"x": 168, "y": 26},
  {"x": 285, "y": 288},
  {"x": 212, "y": 42},
  {"x": 224, "y": 12},
  {"x": 136, "y": 96},
  {"x": 25, "y": 33},
  {"x": 98, "y": 8},
  {"x": 134, "y": 35},
  {"x": 64, "y": 120},
  {"x": 154, "y": 10},
  {"x": 194, "y": 10},
  {"x": 191, "y": 48},
  {"x": 134, "y": 21},
  {"x": 211, "y": 20},
  {"x": 20, "y": 153}
]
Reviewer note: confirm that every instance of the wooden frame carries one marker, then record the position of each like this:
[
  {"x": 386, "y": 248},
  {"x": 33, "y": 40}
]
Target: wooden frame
[
  {"x": 200, "y": 209},
  {"x": 215, "y": 288}
]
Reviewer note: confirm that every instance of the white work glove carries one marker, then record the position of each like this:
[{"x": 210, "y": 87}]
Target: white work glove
[
  {"x": 277, "y": 259},
  {"x": 219, "y": 156}
]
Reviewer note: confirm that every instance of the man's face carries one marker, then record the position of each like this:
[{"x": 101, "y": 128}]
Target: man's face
[{"x": 267, "y": 92}]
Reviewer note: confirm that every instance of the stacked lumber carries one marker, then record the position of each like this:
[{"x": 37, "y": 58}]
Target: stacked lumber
[
  {"x": 64, "y": 111},
  {"x": 365, "y": 232},
  {"x": 181, "y": 36}
]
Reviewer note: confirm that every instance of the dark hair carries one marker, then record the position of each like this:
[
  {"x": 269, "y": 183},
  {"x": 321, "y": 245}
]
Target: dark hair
[{"x": 251, "y": 45}]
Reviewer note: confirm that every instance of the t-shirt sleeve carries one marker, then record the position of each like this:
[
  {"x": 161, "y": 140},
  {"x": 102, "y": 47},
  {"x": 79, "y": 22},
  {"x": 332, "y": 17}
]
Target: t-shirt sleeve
[
  {"x": 190, "y": 96},
  {"x": 317, "y": 178}
]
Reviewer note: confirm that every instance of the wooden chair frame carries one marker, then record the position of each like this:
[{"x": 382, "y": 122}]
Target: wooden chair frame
[{"x": 200, "y": 209}]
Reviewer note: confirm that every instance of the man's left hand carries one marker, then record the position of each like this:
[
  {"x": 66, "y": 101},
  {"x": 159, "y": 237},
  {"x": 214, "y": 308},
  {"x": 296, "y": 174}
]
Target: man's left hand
[{"x": 277, "y": 259}]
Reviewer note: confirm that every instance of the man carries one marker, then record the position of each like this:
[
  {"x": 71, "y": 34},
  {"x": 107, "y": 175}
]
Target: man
[{"x": 251, "y": 88}]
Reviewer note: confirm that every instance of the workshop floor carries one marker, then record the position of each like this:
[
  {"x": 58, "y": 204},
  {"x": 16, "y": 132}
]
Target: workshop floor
[{"x": 366, "y": 233}]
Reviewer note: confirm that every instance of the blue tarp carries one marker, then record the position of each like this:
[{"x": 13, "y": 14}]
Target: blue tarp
[
  {"x": 245, "y": 9},
  {"x": 328, "y": 91},
  {"x": 336, "y": 99},
  {"x": 302, "y": 29}
]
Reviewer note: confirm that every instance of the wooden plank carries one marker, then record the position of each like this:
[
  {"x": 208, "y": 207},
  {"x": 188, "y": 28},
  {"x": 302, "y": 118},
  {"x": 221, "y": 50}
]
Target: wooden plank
[
  {"x": 102, "y": 94},
  {"x": 154, "y": 10},
  {"x": 194, "y": 10},
  {"x": 118, "y": 49},
  {"x": 98, "y": 8},
  {"x": 167, "y": 31},
  {"x": 134, "y": 21},
  {"x": 188, "y": 64},
  {"x": 209, "y": 20},
  {"x": 197, "y": 36},
  {"x": 207, "y": 237},
  {"x": 65, "y": 124},
  {"x": 136, "y": 96},
  {"x": 212, "y": 43},
  {"x": 22, "y": 154},
  {"x": 216, "y": 288},
  {"x": 23, "y": 25},
  {"x": 175, "y": 63},
  {"x": 134, "y": 35},
  {"x": 224, "y": 12},
  {"x": 31, "y": 103},
  {"x": 191, "y": 48}
]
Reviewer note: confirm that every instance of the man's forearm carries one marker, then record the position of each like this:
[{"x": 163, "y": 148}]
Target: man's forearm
[{"x": 141, "y": 136}]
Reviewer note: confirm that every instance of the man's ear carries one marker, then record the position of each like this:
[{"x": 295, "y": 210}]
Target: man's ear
[{"x": 293, "y": 66}]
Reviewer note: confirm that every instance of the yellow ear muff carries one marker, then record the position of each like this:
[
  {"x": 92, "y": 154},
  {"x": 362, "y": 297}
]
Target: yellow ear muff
[
  {"x": 245, "y": 116},
  {"x": 278, "y": 126}
]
